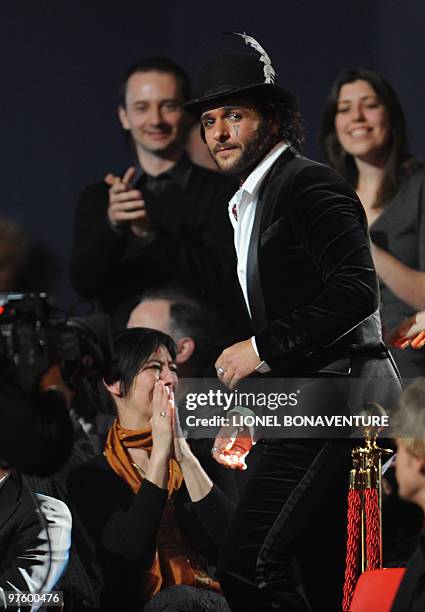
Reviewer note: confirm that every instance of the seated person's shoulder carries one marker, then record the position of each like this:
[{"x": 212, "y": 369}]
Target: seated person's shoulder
[
  {"x": 414, "y": 173},
  {"x": 15, "y": 492},
  {"x": 96, "y": 480},
  {"x": 19, "y": 508},
  {"x": 92, "y": 471}
]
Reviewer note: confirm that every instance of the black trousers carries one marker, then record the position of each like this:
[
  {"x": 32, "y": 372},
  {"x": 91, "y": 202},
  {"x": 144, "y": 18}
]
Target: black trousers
[
  {"x": 184, "y": 598},
  {"x": 285, "y": 547}
]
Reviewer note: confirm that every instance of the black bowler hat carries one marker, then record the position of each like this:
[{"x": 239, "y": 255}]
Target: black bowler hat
[{"x": 239, "y": 74}]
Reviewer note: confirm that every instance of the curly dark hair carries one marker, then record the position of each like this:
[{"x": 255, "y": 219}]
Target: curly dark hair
[
  {"x": 399, "y": 163},
  {"x": 289, "y": 118}
]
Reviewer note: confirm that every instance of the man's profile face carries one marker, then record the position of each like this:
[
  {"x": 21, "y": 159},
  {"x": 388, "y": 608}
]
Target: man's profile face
[
  {"x": 408, "y": 473},
  {"x": 153, "y": 112},
  {"x": 237, "y": 135}
]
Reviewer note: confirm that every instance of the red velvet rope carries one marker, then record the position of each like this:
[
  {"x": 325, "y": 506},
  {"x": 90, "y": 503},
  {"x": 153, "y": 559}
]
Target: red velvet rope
[
  {"x": 373, "y": 539},
  {"x": 354, "y": 516}
]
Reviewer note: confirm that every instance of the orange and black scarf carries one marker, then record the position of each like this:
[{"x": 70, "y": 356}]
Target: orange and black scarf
[{"x": 175, "y": 562}]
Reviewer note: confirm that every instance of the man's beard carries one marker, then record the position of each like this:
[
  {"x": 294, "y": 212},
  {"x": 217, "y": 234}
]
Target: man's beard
[{"x": 255, "y": 149}]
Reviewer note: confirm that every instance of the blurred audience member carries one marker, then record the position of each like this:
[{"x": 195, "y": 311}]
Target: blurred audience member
[
  {"x": 197, "y": 149},
  {"x": 35, "y": 536},
  {"x": 81, "y": 582},
  {"x": 410, "y": 473},
  {"x": 363, "y": 136},
  {"x": 175, "y": 312},
  {"x": 14, "y": 247},
  {"x": 164, "y": 219},
  {"x": 156, "y": 517}
]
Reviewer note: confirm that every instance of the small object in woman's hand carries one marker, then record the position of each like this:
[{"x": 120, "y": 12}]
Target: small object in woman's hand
[
  {"x": 419, "y": 341},
  {"x": 409, "y": 333}
]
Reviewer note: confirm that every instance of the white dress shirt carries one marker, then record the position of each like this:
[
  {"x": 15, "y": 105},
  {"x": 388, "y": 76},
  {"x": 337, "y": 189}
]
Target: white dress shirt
[{"x": 246, "y": 203}]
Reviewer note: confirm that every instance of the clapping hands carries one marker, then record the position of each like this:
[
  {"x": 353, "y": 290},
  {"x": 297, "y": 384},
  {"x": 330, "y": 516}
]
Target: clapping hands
[
  {"x": 167, "y": 434},
  {"x": 126, "y": 205}
]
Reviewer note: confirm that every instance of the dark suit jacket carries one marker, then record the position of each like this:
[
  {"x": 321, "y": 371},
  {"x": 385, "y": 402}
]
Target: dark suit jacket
[
  {"x": 20, "y": 530},
  {"x": 411, "y": 593},
  {"x": 193, "y": 246},
  {"x": 310, "y": 274}
]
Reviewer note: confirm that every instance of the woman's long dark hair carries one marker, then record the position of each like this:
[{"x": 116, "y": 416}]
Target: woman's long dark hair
[
  {"x": 399, "y": 163},
  {"x": 131, "y": 350}
]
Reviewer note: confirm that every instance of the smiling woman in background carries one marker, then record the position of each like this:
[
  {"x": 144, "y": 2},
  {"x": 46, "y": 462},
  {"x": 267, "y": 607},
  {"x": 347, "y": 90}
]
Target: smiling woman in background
[{"x": 363, "y": 136}]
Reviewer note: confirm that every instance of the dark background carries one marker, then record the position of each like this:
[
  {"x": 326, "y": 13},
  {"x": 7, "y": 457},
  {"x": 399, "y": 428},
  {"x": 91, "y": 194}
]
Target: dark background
[{"x": 61, "y": 64}]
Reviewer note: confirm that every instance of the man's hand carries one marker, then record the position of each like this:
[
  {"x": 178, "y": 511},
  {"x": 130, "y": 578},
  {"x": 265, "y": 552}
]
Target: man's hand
[
  {"x": 236, "y": 362},
  {"x": 126, "y": 205},
  {"x": 409, "y": 333},
  {"x": 232, "y": 446}
]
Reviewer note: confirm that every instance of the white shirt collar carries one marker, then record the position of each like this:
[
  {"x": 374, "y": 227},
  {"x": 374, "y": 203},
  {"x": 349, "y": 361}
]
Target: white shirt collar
[{"x": 254, "y": 179}]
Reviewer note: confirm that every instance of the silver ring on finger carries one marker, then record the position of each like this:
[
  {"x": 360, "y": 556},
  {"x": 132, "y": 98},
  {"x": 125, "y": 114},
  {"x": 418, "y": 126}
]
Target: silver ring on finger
[{"x": 220, "y": 371}]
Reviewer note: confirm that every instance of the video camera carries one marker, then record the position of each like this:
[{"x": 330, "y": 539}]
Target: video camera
[
  {"x": 34, "y": 336},
  {"x": 36, "y": 432}
]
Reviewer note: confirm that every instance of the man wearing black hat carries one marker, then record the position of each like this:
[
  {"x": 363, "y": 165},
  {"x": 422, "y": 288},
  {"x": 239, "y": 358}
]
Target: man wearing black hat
[{"x": 310, "y": 289}]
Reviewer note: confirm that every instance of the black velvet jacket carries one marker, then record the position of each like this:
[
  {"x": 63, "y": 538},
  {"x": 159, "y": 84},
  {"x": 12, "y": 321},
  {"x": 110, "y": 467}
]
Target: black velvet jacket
[{"x": 310, "y": 274}]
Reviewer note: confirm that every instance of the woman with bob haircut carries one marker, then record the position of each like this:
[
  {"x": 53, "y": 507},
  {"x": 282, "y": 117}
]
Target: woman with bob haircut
[
  {"x": 363, "y": 137},
  {"x": 154, "y": 515}
]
